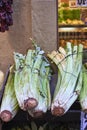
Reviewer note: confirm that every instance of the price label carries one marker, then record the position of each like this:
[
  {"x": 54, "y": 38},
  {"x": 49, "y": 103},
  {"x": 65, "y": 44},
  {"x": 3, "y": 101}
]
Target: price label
[
  {"x": 82, "y": 3},
  {"x": 83, "y": 121}
]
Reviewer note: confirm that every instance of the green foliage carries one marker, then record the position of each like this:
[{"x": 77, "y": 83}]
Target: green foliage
[
  {"x": 72, "y": 14},
  {"x": 65, "y": 5},
  {"x": 60, "y": 15},
  {"x": 67, "y": 14},
  {"x": 76, "y": 14}
]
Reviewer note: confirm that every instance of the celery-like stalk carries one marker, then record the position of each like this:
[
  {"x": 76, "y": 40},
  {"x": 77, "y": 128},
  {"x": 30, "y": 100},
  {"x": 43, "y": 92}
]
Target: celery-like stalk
[
  {"x": 75, "y": 93},
  {"x": 9, "y": 105},
  {"x": 66, "y": 91},
  {"x": 83, "y": 93},
  {"x": 65, "y": 95},
  {"x": 23, "y": 79},
  {"x": 76, "y": 68},
  {"x": 67, "y": 71},
  {"x": 44, "y": 96},
  {"x": 44, "y": 90},
  {"x": 27, "y": 80},
  {"x": 45, "y": 76}
]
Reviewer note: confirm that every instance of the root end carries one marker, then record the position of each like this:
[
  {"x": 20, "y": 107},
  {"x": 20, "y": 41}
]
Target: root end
[
  {"x": 6, "y": 116},
  {"x": 58, "y": 111},
  {"x": 30, "y": 103}
]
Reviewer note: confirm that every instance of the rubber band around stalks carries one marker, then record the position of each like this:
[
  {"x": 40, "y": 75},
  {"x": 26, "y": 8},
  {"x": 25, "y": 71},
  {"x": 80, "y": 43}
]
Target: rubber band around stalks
[{"x": 6, "y": 115}]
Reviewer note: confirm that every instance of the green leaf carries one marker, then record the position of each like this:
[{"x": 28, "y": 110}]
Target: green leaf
[
  {"x": 27, "y": 128},
  {"x": 33, "y": 126}
]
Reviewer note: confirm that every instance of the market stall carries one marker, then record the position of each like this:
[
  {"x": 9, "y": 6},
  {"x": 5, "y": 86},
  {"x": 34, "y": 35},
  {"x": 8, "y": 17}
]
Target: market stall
[{"x": 43, "y": 78}]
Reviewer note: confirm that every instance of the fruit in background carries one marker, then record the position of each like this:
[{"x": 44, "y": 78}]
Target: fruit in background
[
  {"x": 63, "y": 22},
  {"x": 75, "y": 21},
  {"x": 80, "y": 22},
  {"x": 69, "y": 21}
]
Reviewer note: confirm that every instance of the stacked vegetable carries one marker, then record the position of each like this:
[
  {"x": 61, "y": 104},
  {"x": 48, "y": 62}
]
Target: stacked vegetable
[
  {"x": 5, "y": 15},
  {"x": 83, "y": 94},
  {"x": 69, "y": 63},
  {"x": 9, "y": 105},
  {"x": 27, "y": 86},
  {"x": 31, "y": 82},
  {"x": 28, "y": 83}
]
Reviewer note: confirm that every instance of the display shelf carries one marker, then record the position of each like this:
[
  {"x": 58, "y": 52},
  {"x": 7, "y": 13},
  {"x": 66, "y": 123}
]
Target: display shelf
[
  {"x": 74, "y": 26},
  {"x": 23, "y": 117},
  {"x": 77, "y": 33},
  {"x": 73, "y": 38},
  {"x": 72, "y": 115},
  {"x": 71, "y": 118}
]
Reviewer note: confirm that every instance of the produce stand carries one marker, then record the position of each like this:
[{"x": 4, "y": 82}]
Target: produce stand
[{"x": 74, "y": 117}]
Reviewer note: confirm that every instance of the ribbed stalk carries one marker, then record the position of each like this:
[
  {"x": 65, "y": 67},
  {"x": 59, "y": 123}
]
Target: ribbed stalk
[
  {"x": 65, "y": 96},
  {"x": 9, "y": 105},
  {"x": 83, "y": 93}
]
